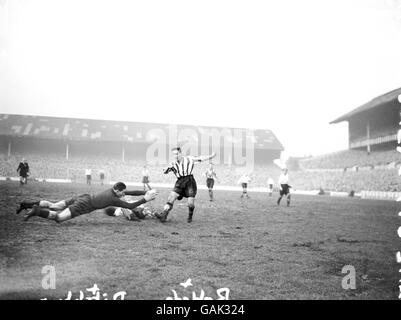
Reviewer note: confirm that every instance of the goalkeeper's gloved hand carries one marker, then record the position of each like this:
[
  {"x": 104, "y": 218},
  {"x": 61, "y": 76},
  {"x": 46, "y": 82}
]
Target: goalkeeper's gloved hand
[{"x": 150, "y": 195}]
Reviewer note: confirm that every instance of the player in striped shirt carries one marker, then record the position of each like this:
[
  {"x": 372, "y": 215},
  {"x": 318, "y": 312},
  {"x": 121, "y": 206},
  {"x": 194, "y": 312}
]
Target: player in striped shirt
[{"x": 185, "y": 186}]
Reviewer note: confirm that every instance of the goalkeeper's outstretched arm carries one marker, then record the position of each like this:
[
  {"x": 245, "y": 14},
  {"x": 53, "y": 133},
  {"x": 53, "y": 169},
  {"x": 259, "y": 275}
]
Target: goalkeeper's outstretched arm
[
  {"x": 135, "y": 193},
  {"x": 149, "y": 196}
]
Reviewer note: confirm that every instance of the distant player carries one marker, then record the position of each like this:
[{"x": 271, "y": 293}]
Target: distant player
[
  {"x": 270, "y": 183},
  {"x": 71, "y": 208},
  {"x": 185, "y": 186},
  {"x": 23, "y": 170},
  {"x": 101, "y": 176},
  {"x": 244, "y": 181},
  {"x": 88, "y": 174},
  {"x": 284, "y": 187},
  {"x": 211, "y": 176},
  {"x": 145, "y": 178}
]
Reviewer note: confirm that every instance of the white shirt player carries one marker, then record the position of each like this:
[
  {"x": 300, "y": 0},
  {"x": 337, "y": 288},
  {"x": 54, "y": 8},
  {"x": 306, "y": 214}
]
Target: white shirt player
[
  {"x": 270, "y": 181},
  {"x": 244, "y": 179},
  {"x": 210, "y": 174},
  {"x": 283, "y": 179},
  {"x": 145, "y": 173}
]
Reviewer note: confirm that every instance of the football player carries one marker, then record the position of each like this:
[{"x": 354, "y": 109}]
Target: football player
[
  {"x": 244, "y": 181},
  {"x": 23, "y": 170},
  {"x": 71, "y": 208},
  {"x": 145, "y": 178},
  {"x": 270, "y": 183},
  {"x": 211, "y": 176},
  {"x": 284, "y": 187},
  {"x": 137, "y": 214},
  {"x": 185, "y": 185}
]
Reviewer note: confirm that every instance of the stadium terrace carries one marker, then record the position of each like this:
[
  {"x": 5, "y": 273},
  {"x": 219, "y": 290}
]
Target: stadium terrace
[
  {"x": 25, "y": 133},
  {"x": 374, "y": 125}
]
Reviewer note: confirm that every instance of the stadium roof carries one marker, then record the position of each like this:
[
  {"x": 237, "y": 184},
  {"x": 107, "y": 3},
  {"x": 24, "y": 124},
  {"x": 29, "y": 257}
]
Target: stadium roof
[
  {"x": 374, "y": 103},
  {"x": 123, "y": 131}
]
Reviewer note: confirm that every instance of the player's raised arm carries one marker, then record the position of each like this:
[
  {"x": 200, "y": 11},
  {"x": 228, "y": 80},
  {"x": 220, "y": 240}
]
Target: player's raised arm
[{"x": 204, "y": 158}]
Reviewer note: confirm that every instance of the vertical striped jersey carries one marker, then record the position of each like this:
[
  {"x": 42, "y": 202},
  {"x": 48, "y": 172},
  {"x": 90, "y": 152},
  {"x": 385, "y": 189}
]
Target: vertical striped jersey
[{"x": 183, "y": 168}]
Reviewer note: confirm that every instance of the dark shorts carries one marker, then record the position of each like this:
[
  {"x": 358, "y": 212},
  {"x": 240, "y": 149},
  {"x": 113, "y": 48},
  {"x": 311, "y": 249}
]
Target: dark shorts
[
  {"x": 285, "y": 189},
  {"x": 210, "y": 183},
  {"x": 101, "y": 176},
  {"x": 80, "y": 205},
  {"x": 186, "y": 187},
  {"x": 145, "y": 180},
  {"x": 244, "y": 185},
  {"x": 138, "y": 211},
  {"x": 270, "y": 186}
]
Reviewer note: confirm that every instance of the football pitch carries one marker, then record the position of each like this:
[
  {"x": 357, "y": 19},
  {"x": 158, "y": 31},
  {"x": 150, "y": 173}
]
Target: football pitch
[{"x": 253, "y": 247}]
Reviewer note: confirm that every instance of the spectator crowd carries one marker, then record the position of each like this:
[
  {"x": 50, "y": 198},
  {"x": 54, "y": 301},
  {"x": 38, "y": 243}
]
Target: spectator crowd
[{"x": 45, "y": 166}]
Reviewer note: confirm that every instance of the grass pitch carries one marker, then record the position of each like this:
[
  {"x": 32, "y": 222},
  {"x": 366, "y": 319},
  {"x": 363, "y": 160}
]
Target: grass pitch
[{"x": 253, "y": 247}]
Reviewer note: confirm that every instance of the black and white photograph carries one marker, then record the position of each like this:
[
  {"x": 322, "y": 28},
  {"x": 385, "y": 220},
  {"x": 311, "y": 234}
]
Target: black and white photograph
[{"x": 200, "y": 150}]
